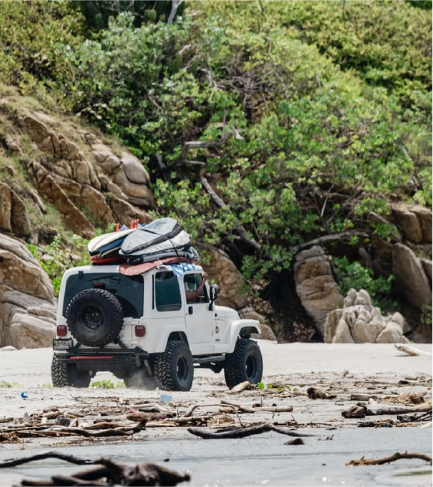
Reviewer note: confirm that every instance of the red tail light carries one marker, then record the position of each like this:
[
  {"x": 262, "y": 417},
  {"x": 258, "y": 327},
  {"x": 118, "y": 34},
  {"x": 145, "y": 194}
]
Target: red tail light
[
  {"x": 140, "y": 331},
  {"x": 62, "y": 331}
]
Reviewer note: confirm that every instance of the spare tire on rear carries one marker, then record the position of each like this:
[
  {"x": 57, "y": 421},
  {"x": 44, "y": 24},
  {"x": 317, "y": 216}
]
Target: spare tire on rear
[{"x": 94, "y": 317}]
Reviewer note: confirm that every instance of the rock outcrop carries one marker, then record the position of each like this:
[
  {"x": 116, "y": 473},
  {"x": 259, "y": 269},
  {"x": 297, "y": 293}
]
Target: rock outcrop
[
  {"x": 411, "y": 276},
  {"x": 360, "y": 322},
  {"x": 315, "y": 285},
  {"x": 27, "y": 305},
  {"x": 13, "y": 213},
  {"x": 85, "y": 179}
]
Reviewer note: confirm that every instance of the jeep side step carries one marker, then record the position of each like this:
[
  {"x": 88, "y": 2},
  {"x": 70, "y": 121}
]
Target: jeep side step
[{"x": 210, "y": 359}]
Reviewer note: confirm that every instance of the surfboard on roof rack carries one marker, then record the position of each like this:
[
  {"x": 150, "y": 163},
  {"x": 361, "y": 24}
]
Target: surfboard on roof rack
[
  {"x": 190, "y": 254},
  {"x": 109, "y": 240},
  {"x": 154, "y": 233}
]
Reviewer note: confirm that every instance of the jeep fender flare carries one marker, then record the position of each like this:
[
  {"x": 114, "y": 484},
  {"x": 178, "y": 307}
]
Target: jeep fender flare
[
  {"x": 242, "y": 328},
  {"x": 178, "y": 330}
]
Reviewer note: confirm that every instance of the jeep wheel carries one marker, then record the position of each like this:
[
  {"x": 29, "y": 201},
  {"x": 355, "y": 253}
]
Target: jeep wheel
[
  {"x": 244, "y": 364},
  {"x": 94, "y": 317},
  {"x": 174, "y": 368},
  {"x": 64, "y": 374}
]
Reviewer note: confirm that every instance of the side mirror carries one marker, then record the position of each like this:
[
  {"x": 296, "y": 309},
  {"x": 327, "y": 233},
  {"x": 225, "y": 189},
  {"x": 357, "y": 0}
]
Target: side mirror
[{"x": 214, "y": 291}]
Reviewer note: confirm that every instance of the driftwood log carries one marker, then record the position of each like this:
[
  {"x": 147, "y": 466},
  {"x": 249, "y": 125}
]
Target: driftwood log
[
  {"x": 244, "y": 432},
  {"x": 392, "y": 458},
  {"x": 107, "y": 473},
  {"x": 410, "y": 350}
]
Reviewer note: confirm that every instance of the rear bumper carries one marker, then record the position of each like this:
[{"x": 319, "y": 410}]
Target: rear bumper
[{"x": 104, "y": 359}]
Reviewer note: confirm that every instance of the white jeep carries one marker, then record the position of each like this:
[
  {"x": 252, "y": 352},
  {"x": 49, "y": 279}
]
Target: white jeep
[{"x": 144, "y": 330}]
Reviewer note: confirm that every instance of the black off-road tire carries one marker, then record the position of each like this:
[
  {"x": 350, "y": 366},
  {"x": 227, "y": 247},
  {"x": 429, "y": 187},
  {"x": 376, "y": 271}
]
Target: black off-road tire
[
  {"x": 94, "y": 317},
  {"x": 244, "y": 364},
  {"x": 174, "y": 369},
  {"x": 67, "y": 375}
]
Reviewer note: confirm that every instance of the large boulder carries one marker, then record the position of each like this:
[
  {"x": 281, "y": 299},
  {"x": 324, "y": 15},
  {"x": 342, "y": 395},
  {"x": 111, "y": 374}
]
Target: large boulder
[
  {"x": 315, "y": 285},
  {"x": 27, "y": 304},
  {"x": 222, "y": 270},
  {"x": 361, "y": 322},
  {"x": 414, "y": 221},
  {"x": 411, "y": 277}
]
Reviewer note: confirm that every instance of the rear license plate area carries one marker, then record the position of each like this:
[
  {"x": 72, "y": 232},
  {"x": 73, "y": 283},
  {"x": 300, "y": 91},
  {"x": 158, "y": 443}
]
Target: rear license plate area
[{"x": 62, "y": 343}]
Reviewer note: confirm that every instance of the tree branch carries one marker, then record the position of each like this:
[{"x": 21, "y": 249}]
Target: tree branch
[
  {"x": 174, "y": 6},
  {"x": 239, "y": 227},
  {"x": 329, "y": 239}
]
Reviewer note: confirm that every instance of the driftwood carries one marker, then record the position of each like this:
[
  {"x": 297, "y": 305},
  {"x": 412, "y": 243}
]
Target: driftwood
[
  {"x": 413, "y": 418},
  {"x": 314, "y": 393},
  {"x": 148, "y": 416},
  {"x": 410, "y": 350},
  {"x": 43, "y": 456},
  {"x": 108, "y": 474},
  {"x": 238, "y": 407},
  {"x": 98, "y": 430},
  {"x": 392, "y": 458},
  {"x": 244, "y": 432},
  {"x": 240, "y": 387},
  {"x": 376, "y": 410},
  {"x": 296, "y": 441},
  {"x": 362, "y": 410}
]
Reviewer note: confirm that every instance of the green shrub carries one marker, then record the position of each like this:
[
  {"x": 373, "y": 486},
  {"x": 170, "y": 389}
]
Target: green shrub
[
  {"x": 30, "y": 34},
  {"x": 354, "y": 275}
]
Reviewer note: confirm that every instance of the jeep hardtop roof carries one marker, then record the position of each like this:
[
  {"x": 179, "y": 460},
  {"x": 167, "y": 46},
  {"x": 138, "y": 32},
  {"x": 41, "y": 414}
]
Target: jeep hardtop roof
[{"x": 115, "y": 269}]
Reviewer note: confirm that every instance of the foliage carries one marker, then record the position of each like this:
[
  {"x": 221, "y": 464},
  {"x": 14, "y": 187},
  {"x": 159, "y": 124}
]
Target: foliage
[
  {"x": 304, "y": 117},
  {"x": 426, "y": 316},
  {"x": 424, "y": 4},
  {"x": 354, "y": 275},
  {"x": 98, "y": 12},
  {"x": 30, "y": 34},
  {"x": 57, "y": 259}
]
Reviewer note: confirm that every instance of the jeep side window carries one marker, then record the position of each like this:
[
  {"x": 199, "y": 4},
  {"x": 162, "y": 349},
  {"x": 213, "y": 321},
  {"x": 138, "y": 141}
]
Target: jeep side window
[
  {"x": 167, "y": 292},
  {"x": 192, "y": 282}
]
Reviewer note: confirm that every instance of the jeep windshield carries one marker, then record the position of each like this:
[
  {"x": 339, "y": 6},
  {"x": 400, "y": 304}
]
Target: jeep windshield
[{"x": 129, "y": 290}]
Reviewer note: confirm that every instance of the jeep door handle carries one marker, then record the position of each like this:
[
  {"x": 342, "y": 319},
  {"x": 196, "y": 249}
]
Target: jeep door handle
[{"x": 190, "y": 310}]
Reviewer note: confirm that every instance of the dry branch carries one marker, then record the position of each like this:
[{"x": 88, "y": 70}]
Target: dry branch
[
  {"x": 410, "y": 350},
  {"x": 109, "y": 473},
  {"x": 243, "y": 432},
  {"x": 392, "y": 458},
  {"x": 43, "y": 456},
  {"x": 240, "y": 387}
]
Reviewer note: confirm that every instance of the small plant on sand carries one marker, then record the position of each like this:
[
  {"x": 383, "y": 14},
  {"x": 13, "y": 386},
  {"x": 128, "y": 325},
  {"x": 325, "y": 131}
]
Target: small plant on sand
[
  {"x": 4, "y": 384},
  {"x": 108, "y": 384}
]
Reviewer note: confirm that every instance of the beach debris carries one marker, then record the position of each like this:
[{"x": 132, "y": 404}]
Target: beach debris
[
  {"x": 407, "y": 398},
  {"x": 107, "y": 473},
  {"x": 244, "y": 431},
  {"x": 314, "y": 393},
  {"x": 240, "y": 387},
  {"x": 354, "y": 412},
  {"x": 296, "y": 441},
  {"x": 391, "y": 458},
  {"x": 410, "y": 350},
  {"x": 24, "y": 395}
]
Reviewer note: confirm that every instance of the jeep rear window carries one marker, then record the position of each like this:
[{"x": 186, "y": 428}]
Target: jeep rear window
[
  {"x": 167, "y": 292},
  {"x": 129, "y": 290}
]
